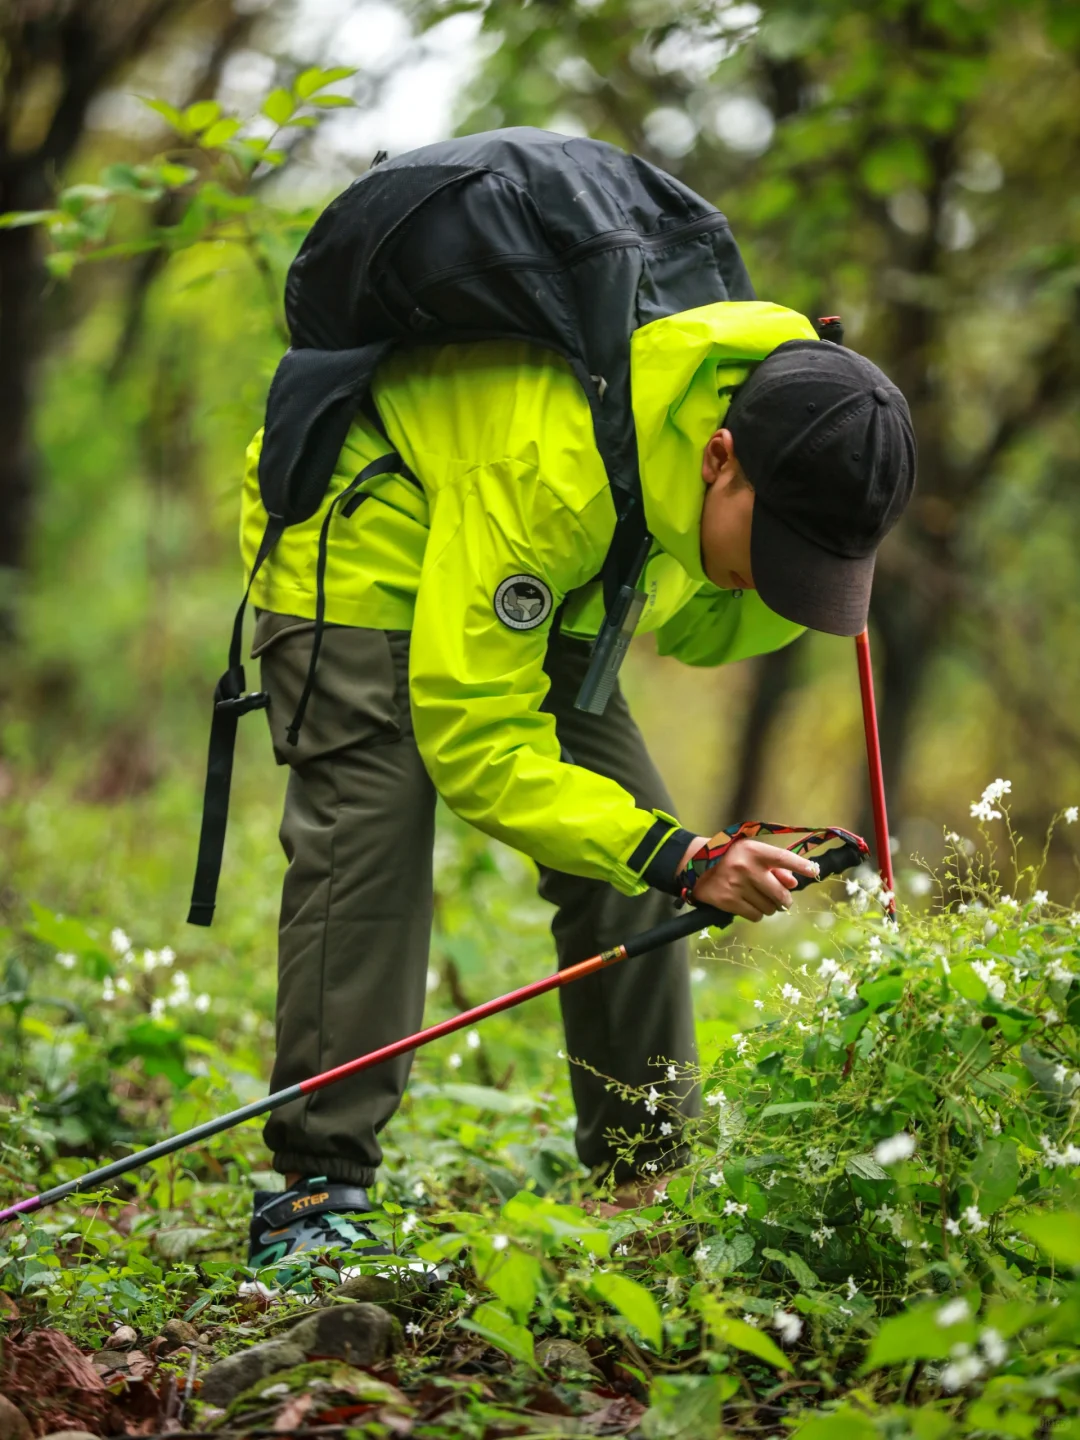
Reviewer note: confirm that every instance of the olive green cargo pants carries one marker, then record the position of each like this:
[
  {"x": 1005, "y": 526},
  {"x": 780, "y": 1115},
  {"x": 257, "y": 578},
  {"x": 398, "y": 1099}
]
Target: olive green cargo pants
[{"x": 358, "y": 833}]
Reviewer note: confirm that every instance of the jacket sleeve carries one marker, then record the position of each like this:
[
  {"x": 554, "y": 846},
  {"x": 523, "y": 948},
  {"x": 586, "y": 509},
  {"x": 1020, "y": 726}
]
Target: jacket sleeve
[
  {"x": 477, "y": 684},
  {"x": 716, "y": 627}
]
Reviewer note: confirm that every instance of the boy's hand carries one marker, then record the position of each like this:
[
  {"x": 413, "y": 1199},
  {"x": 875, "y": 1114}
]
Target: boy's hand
[{"x": 752, "y": 880}]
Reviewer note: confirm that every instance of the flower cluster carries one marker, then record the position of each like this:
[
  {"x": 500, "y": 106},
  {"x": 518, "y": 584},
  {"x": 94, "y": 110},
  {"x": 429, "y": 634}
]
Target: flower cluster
[{"x": 983, "y": 809}]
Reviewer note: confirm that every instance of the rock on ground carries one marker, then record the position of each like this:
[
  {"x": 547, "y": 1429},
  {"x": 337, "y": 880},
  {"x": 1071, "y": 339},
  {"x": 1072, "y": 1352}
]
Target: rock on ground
[
  {"x": 360, "y": 1334},
  {"x": 13, "y": 1423},
  {"x": 236, "y": 1373}
]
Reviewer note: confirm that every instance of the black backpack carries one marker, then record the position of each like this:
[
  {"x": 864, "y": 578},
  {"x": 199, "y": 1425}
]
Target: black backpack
[{"x": 569, "y": 243}]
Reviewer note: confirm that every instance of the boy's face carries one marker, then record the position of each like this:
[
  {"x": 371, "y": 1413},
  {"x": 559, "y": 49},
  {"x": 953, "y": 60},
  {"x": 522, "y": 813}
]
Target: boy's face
[{"x": 726, "y": 517}]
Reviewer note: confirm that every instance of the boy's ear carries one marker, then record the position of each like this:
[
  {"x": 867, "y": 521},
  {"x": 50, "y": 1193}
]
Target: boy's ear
[{"x": 718, "y": 458}]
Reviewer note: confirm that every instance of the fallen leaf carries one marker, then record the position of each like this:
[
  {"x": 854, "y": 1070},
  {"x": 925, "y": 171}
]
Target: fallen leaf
[{"x": 292, "y": 1412}]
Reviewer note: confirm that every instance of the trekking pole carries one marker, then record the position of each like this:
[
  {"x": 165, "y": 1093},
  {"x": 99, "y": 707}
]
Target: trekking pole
[
  {"x": 850, "y": 852},
  {"x": 873, "y": 759}
]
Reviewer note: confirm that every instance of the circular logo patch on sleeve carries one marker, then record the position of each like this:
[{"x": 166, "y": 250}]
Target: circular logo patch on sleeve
[{"x": 522, "y": 602}]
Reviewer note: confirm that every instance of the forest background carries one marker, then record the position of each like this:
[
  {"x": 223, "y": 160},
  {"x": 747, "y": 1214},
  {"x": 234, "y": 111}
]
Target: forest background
[{"x": 909, "y": 166}]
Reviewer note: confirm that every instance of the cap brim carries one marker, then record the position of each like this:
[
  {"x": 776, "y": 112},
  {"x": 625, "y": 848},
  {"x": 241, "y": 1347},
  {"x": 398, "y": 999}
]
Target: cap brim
[{"x": 806, "y": 584}]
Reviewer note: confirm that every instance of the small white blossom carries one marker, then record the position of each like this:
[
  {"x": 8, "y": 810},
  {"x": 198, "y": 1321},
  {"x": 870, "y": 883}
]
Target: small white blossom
[
  {"x": 895, "y": 1148},
  {"x": 119, "y": 941},
  {"x": 716, "y": 1097},
  {"x": 952, "y": 1226},
  {"x": 955, "y": 1312},
  {"x": 716, "y": 1178},
  {"x": 828, "y": 967},
  {"x": 408, "y": 1225},
  {"x": 454, "y": 1061},
  {"x": 499, "y": 1242},
  {"x": 759, "y": 1004},
  {"x": 1057, "y": 971},
  {"x": 822, "y": 1233},
  {"x": 789, "y": 1326},
  {"x": 1050, "y": 1017},
  {"x": 652, "y": 1099},
  {"x": 983, "y": 810},
  {"x": 1072, "y": 812},
  {"x": 852, "y": 1288},
  {"x": 666, "y": 1128},
  {"x": 671, "y": 1073},
  {"x": 412, "y": 1328},
  {"x": 732, "y": 1207},
  {"x": 749, "y": 1319},
  {"x": 202, "y": 1003},
  {"x": 962, "y": 1370},
  {"x": 622, "y": 1249},
  {"x": 157, "y": 1008},
  {"x": 650, "y": 1166},
  {"x": 974, "y": 1219},
  {"x": 472, "y": 1039},
  {"x": 108, "y": 989},
  {"x": 993, "y": 1347},
  {"x": 418, "y": 1190},
  {"x": 1040, "y": 897},
  {"x": 166, "y": 956},
  {"x": 66, "y": 960},
  {"x": 791, "y": 994}
]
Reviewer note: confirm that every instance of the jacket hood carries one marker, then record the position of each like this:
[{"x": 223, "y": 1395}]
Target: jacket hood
[{"x": 674, "y": 365}]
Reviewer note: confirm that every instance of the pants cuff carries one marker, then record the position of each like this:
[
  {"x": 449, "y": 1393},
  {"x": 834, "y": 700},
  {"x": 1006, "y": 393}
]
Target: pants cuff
[{"x": 349, "y": 1172}]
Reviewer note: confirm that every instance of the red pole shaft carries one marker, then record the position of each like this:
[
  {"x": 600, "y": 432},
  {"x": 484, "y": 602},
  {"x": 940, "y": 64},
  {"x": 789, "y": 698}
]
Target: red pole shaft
[
  {"x": 467, "y": 1017},
  {"x": 873, "y": 760}
]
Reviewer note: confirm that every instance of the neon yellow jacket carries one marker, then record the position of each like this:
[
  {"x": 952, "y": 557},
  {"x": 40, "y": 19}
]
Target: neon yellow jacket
[{"x": 501, "y": 438}]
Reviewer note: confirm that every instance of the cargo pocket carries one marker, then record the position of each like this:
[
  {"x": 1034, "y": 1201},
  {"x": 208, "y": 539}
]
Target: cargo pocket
[{"x": 354, "y": 701}]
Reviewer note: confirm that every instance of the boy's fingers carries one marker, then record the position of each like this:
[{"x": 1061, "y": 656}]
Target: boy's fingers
[{"x": 785, "y": 859}]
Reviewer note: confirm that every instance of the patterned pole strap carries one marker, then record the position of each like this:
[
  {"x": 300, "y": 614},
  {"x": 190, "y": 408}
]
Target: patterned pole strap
[{"x": 714, "y": 850}]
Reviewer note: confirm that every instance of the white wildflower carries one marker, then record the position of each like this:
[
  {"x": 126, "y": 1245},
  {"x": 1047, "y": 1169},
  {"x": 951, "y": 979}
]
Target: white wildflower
[
  {"x": 983, "y": 810},
  {"x": 652, "y": 1099},
  {"x": 789, "y": 1326},
  {"x": 1040, "y": 897},
  {"x": 716, "y": 1178},
  {"x": 119, "y": 941},
  {"x": 716, "y": 1097},
  {"x": 828, "y": 967},
  {"x": 1072, "y": 813},
  {"x": 822, "y": 1233},
  {"x": 993, "y": 1347},
  {"x": 749, "y": 1319},
  {"x": 418, "y": 1190},
  {"x": 952, "y": 1226},
  {"x": 454, "y": 1061},
  {"x": 472, "y": 1039},
  {"x": 108, "y": 989},
  {"x": 852, "y": 1288},
  {"x": 759, "y": 1004},
  {"x": 408, "y": 1225},
  {"x": 666, "y": 1128},
  {"x": 150, "y": 960},
  {"x": 157, "y": 1008},
  {"x": 974, "y": 1219},
  {"x": 962, "y": 1370},
  {"x": 671, "y": 1073},
  {"x": 895, "y": 1148},
  {"x": 732, "y": 1207},
  {"x": 412, "y": 1328},
  {"x": 791, "y": 994},
  {"x": 650, "y": 1166},
  {"x": 622, "y": 1249},
  {"x": 1057, "y": 971},
  {"x": 166, "y": 956},
  {"x": 66, "y": 960},
  {"x": 1050, "y": 1017},
  {"x": 955, "y": 1312},
  {"x": 499, "y": 1242},
  {"x": 202, "y": 1003}
]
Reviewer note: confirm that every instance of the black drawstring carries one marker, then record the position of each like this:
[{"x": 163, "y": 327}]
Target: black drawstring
[{"x": 349, "y": 499}]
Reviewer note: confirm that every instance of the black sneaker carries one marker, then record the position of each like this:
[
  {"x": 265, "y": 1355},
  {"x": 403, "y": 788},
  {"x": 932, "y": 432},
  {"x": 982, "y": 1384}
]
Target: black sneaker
[{"x": 310, "y": 1217}]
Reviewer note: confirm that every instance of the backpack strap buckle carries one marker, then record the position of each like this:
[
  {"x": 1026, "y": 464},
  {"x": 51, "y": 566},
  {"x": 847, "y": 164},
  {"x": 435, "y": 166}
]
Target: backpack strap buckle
[{"x": 242, "y": 704}]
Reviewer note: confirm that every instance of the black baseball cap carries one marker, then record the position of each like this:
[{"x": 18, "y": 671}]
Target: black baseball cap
[{"x": 826, "y": 440}]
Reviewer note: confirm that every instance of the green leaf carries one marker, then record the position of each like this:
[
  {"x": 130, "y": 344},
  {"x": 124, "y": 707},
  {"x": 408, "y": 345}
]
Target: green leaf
[
  {"x": 1045, "y": 1072},
  {"x": 1056, "y": 1232},
  {"x": 497, "y": 1328},
  {"x": 168, "y": 112},
  {"x": 176, "y": 175},
  {"x": 846, "y": 1423},
  {"x": 334, "y": 102},
  {"x": 879, "y": 993},
  {"x": 721, "y": 1255},
  {"x": 897, "y": 163},
  {"x": 865, "y": 1167},
  {"x": 314, "y": 79},
  {"x": 917, "y": 1334},
  {"x": 965, "y": 982},
  {"x": 176, "y": 1243},
  {"x": 219, "y": 132},
  {"x": 796, "y": 1266},
  {"x": 634, "y": 1304},
  {"x": 279, "y": 106},
  {"x": 514, "y": 1276},
  {"x": 793, "y": 1107},
  {"x": 996, "y": 1174},
  {"x": 728, "y": 1330},
  {"x": 485, "y": 1097},
  {"x": 201, "y": 115},
  {"x": 15, "y": 219}
]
